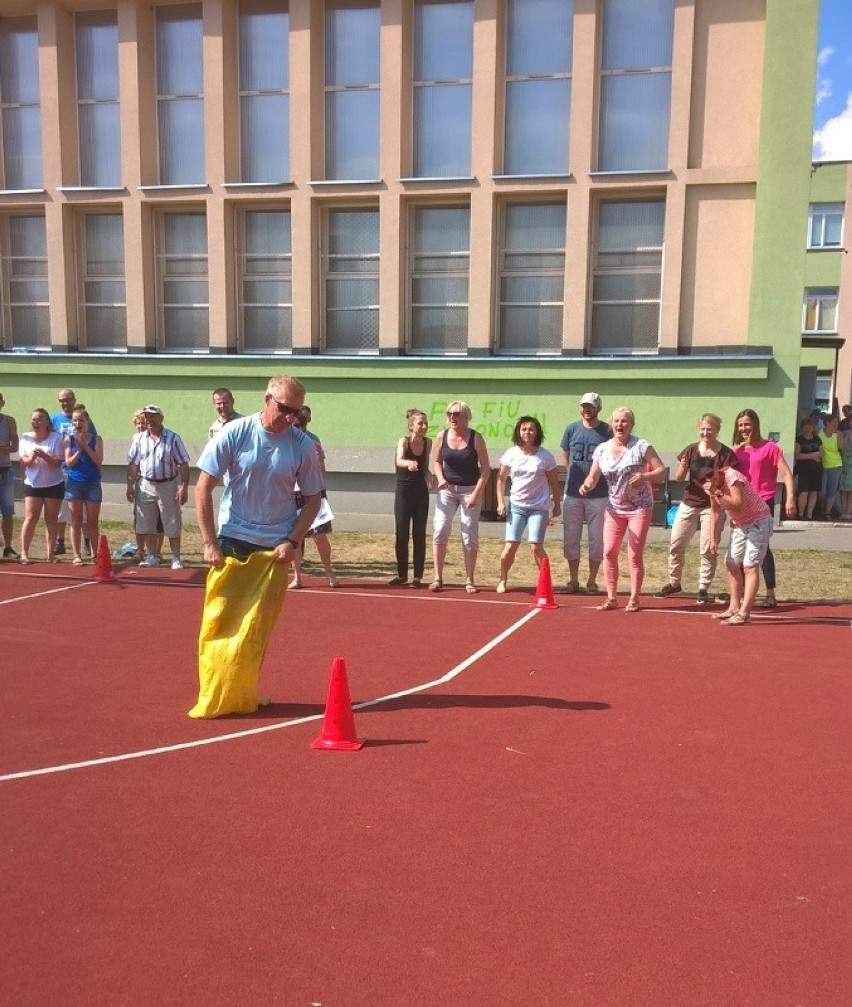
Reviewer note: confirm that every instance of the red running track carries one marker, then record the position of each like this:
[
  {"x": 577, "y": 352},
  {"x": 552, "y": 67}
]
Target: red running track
[{"x": 601, "y": 810}]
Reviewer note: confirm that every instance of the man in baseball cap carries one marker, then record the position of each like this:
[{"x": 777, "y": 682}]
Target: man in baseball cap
[{"x": 578, "y": 445}]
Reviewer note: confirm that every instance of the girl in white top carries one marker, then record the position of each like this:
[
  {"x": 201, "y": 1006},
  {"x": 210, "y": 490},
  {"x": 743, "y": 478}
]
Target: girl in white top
[
  {"x": 630, "y": 465},
  {"x": 41, "y": 452},
  {"x": 532, "y": 470}
]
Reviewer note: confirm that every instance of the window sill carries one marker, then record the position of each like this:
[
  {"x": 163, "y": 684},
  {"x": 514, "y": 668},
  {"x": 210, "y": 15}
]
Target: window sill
[
  {"x": 194, "y": 186},
  {"x": 430, "y": 180},
  {"x": 532, "y": 178},
  {"x": 258, "y": 185},
  {"x": 91, "y": 188},
  {"x": 22, "y": 192},
  {"x": 327, "y": 182},
  {"x": 644, "y": 172}
]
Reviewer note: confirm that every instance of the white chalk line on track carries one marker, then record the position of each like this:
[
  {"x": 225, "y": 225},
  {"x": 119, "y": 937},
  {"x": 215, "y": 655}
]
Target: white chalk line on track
[
  {"x": 53, "y": 590},
  {"x": 365, "y": 704}
]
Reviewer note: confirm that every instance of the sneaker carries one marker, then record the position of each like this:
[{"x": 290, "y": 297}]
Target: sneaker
[
  {"x": 703, "y": 596},
  {"x": 9, "y": 553},
  {"x": 176, "y": 563},
  {"x": 152, "y": 560},
  {"x": 59, "y": 548},
  {"x": 668, "y": 591}
]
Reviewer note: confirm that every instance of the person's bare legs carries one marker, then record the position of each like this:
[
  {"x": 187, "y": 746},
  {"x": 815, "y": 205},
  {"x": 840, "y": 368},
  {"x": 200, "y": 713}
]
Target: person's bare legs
[
  {"x": 32, "y": 512},
  {"x": 75, "y": 508},
  {"x": 51, "y": 522},
  {"x": 323, "y": 544},
  {"x": 507, "y": 558},
  {"x": 439, "y": 557}
]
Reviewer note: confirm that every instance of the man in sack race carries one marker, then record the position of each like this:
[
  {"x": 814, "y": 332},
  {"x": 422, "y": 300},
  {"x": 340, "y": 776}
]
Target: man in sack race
[{"x": 260, "y": 459}]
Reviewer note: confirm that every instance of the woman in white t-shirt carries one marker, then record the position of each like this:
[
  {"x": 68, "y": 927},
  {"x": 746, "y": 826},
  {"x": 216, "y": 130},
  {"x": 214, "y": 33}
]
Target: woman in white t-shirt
[
  {"x": 532, "y": 470},
  {"x": 41, "y": 452},
  {"x": 630, "y": 465}
]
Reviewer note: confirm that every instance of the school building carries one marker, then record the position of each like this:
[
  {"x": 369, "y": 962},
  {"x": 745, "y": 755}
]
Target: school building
[{"x": 404, "y": 202}]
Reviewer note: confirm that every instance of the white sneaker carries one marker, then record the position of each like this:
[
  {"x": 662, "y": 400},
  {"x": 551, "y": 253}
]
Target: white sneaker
[
  {"x": 151, "y": 560},
  {"x": 176, "y": 563}
]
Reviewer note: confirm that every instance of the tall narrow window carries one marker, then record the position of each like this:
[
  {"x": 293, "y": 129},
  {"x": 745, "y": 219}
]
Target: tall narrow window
[
  {"x": 539, "y": 43},
  {"x": 532, "y": 277},
  {"x": 627, "y": 281},
  {"x": 819, "y": 314},
  {"x": 97, "y": 99},
  {"x": 443, "y": 81},
  {"x": 264, "y": 91},
  {"x": 825, "y": 225},
  {"x": 20, "y": 111},
  {"x": 440, "y": 258},
  {"x": 265, "y": 267},
  {"x": 103, "y": 309},
  {"x": 351, "y": 275},
  {"x": 182, "y": 278},
  {"x": 636, "y": 84},
  {"x": 25, "y": 315},
  {"x": 180, "y": 95},
  {"x": 352, "y": 90}
]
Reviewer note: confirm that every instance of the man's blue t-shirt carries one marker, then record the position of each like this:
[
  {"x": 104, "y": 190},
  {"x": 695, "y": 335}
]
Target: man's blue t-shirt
[
  {"x": 579, "y": 441},
  {"x": 258, "y": 503}
]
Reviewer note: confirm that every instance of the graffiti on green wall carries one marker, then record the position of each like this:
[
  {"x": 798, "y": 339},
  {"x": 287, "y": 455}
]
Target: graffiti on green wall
[{"x": 495, "y": 419}]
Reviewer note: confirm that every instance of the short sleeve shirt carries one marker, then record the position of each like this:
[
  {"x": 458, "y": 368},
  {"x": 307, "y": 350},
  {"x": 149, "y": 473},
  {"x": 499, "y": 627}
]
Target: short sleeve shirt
[
  {"x": 157, "y": 458},
  {"x": 579, "y": 443},
  {"x": 760, "y": 465},
  {"x": 530, "y": 484},
  {"x": 693, "y": 493},
  {"x": 624, "y": 498}
]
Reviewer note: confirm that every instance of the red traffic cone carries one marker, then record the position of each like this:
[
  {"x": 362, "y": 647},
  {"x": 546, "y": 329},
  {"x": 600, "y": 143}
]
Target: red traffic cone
[
  {"x": 338, "y": 726},
  {"x": 544, "y": 590},
  {"x": 103, "y": 565}
]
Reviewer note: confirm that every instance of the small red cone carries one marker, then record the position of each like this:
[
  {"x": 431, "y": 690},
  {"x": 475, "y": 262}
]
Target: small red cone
[
  {"x": 338, "y": 726},
  {"x": 544, "y": 590},
  {"x": 103, "y": 564}
]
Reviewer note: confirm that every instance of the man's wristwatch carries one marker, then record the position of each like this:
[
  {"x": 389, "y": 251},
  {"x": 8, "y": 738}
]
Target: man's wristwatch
[{"x": 293, "y": 543}]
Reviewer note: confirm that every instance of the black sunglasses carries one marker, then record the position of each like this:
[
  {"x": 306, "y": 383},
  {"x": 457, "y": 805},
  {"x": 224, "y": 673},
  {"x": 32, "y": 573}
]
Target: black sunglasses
[
  {"x": 454, "y": 415},
  {"x": 284, "y": 409}
]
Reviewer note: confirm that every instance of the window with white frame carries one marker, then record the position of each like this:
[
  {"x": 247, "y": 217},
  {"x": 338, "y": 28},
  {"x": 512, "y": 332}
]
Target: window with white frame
[
  {"x": 825, "y": 225},
  {"x": 96, "y": 37},
  {"x": 102, "y": 299},
  {"x": 20, "y": 110},
  {"x": 352, "y": 31},
  {"x": 180, "y": 95},
  {"x": 819, "y": 312},
  {"x": 264, "y": 91},
  {"x": 539, "y": 43},
  {"x": 443, "y": 82},
  {"x": 24, "y": 307},
  {"x": 182, "y": 281},
  {"x": 439, "y": 269},
  {"x": 532, "y": 278},
  {"x": 627, "y": 277},
  {"x": 636, "y": 83},
  {"x": 265, "y": 282},
  {"x": 350, "y": 265}
]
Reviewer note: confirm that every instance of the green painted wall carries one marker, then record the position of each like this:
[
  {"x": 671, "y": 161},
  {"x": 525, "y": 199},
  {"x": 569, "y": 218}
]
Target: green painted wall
[{"x": 783, "y": 194}]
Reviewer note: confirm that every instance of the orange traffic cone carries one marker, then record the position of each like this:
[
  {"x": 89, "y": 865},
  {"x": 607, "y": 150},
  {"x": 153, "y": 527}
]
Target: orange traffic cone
[
  {"x": 544, "y": 590},
  {"x": 103, "y": 565},
  {"x": 338, "y": 726}
]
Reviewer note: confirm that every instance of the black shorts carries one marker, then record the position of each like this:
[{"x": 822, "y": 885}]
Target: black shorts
[
  {"x": 56, "y": 492},
  {"x": 809, "y": 478}
]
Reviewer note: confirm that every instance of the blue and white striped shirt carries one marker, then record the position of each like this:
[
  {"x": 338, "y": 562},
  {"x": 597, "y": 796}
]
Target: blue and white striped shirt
[{"x": 157, "y": 459}]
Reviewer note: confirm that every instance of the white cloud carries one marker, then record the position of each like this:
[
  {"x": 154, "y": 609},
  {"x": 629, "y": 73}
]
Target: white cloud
[
  {"x": 833, "y": 142},
  {"x": 825, "y": 55},
  {"x": 823, "y": 90}
]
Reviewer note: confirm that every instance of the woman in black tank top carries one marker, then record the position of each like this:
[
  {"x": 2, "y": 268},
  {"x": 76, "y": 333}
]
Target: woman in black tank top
[
  {"x": 461, "y": 466},
  {"x": 411, "y": 501}
]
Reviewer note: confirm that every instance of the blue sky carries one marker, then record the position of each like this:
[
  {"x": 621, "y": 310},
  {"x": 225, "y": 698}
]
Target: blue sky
[{"x": 833, "y": 104}]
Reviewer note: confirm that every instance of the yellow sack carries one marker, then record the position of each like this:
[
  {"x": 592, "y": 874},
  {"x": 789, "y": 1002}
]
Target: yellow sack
[{"x": 241, "y": 605}]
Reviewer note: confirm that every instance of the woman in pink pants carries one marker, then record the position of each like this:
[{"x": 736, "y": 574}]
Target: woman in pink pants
[{"x": 630, "y": 465}]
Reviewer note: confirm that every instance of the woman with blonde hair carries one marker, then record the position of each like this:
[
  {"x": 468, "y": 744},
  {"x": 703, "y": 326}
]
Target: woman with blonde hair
[
  {"x": 41, "y": 453},
  {"x": 694, "y": 511},
  {"x": 461, "y": 467},
  {"x": 84, "y": 458},
  {"x": 411, "y": 499},
  {"x": 630, "y": 465}
]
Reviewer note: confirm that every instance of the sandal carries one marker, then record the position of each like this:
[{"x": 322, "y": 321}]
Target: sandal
[
  {"x": 610, "y": 605},
  {"x": 632, "y": 606},
  {"x": 294, "y": 585},
  {"x": 501, "y": 587},
  {"x": 573, "y": 587},
  {"x": 436, "y": 585},
  {"x": 77, "y": 561},
  {"x": 333, "y": 581},
  {"x": 737, "y": 619},
  {"x": 471, "y": 588},
  {"x": 723, "y": 616}
]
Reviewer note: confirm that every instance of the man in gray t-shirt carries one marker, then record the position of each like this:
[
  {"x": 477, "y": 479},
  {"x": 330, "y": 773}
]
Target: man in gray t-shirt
[{"x": 578, "y": 445}]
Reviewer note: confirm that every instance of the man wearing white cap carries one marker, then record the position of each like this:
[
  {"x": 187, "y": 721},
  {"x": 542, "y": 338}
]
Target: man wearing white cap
[
  {"x": 159, "y": 460},
  {"x": 578, "y": 445}
]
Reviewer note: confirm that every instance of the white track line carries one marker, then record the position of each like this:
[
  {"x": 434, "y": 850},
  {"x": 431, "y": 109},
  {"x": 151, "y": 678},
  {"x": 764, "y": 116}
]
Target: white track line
[
  {"x": 53, "y": 590},
  {"x": 451, "y": 674}
]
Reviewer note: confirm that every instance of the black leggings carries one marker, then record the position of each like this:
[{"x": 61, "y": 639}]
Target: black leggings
[
  {"x": 768, "y": 568},
  {"x": 411, "y": 511}
]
